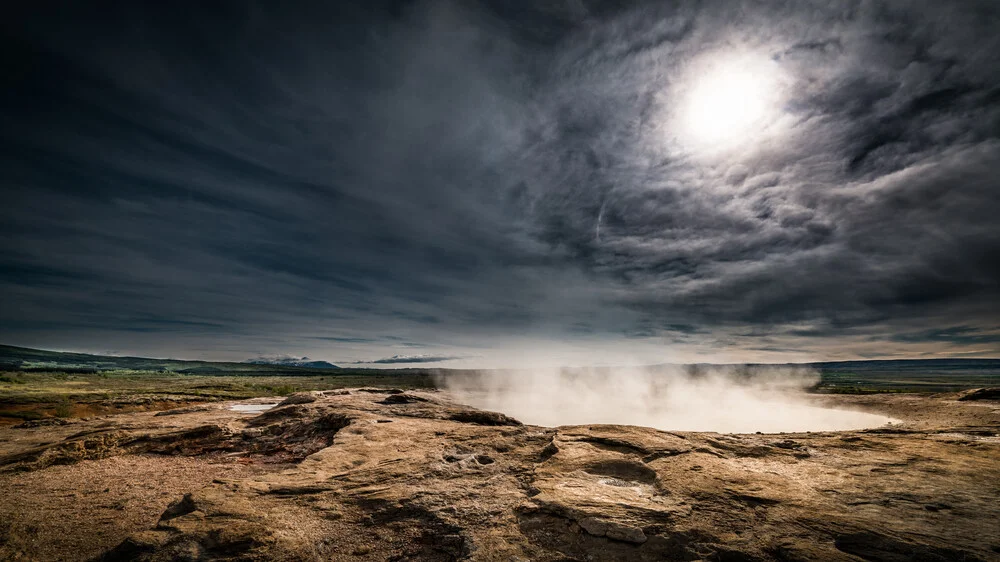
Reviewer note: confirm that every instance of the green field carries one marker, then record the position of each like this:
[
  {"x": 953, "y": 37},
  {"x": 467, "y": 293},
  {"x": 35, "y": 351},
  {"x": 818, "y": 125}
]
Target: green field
[{"x": 934, "y": 375}]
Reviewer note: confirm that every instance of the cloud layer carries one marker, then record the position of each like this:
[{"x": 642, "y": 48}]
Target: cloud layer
[{"x": 351, "y": 183}]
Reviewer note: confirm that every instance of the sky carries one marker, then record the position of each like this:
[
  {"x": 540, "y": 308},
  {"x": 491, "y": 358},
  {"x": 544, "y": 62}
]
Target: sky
[{"x": 493, "y": 183}]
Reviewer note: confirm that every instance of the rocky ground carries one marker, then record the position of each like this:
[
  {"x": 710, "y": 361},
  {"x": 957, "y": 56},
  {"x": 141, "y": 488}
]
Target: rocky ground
[{"x": 390, "y": 475}]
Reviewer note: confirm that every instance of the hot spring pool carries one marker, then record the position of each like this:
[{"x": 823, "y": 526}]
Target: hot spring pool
[{"x": 251, "y": 408}]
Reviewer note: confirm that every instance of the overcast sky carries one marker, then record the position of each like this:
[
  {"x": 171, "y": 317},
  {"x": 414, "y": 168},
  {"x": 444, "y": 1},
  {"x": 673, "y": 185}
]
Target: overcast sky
[{"x": 474, "y": 184}]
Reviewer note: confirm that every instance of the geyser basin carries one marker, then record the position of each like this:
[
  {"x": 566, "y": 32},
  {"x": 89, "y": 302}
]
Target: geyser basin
[
  {"x": 716, "y": 399},
  {"x": 764, "y": 416}
]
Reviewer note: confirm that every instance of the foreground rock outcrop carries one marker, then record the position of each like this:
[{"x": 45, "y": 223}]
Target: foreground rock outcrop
[
  {"x": 387, "y": 475},
  {"x": 981, "y": 394}
]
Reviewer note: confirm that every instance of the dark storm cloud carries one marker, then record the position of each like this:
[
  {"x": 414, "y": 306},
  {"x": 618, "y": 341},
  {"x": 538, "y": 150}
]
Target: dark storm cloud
[{"x": 320, "y": 177}]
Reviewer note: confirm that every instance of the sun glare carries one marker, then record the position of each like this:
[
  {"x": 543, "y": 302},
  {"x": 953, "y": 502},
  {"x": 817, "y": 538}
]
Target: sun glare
[{"x": 728, "y": 100}]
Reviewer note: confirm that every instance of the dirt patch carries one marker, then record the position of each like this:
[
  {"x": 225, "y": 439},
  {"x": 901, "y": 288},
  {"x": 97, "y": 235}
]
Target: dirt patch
[
  {"x": 79, "y": 511},
  {"x": 14, "y": 414}
]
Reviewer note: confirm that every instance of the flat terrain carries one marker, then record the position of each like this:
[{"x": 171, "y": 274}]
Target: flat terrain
[
  {"x": 39, "y": 395},
  {"x": 376, "y": 474},
  {"x": 37, "y": 384},
  {"x": 107, "y": 458}
]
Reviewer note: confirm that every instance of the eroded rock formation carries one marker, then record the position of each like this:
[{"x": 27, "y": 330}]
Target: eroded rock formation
[{"x": 411, "y": 476}]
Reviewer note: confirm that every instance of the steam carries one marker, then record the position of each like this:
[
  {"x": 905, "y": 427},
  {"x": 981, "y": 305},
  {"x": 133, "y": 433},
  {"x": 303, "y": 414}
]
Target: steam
[{"x": 694, "y": 398}]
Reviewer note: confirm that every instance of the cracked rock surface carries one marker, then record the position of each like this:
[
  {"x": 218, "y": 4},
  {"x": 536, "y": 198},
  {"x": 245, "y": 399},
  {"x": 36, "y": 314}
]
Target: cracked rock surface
[{"x": 387, "y": 475}]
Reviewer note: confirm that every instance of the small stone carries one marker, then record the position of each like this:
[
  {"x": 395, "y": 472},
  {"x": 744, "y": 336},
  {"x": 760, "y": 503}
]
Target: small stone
[
  {"x": 612, "y": 530},
  {"x": 297, "y": 398}
]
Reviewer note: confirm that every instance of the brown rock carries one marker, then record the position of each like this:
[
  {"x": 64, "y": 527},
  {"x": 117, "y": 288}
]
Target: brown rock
[
  {"x": 330, "y": 481},
  {"x": 298, "y": 398}
]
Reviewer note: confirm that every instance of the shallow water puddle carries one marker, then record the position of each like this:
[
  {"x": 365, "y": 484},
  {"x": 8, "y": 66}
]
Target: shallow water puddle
[{"x": 251, "y": 408}]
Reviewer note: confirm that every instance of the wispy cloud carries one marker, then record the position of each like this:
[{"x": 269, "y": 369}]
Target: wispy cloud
[{"x": 411, "y": 359}]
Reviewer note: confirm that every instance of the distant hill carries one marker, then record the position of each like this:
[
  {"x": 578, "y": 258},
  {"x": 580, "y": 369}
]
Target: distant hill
[
  {"x": 26, "y": 359},
  {"x": 967, "y": 372},
  {"x": 292, "y": 362},
  {"x": 318, "y": 365},
  {"x": 901, "y": 365},
  {"x": 874, "y": 365}
]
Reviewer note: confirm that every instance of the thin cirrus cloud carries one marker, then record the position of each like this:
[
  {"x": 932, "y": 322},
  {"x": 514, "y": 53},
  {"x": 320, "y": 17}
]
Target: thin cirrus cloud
[
  {"x": 467, "y": 175},
  {"x": 397, "y": 359}
]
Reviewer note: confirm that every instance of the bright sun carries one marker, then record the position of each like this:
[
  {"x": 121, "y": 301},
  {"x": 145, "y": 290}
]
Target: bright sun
[{"x": 729, "y": 99}]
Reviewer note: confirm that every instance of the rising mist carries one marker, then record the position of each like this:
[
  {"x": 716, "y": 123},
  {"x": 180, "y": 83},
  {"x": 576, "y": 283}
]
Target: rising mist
[{"x": 702, "y": 398}]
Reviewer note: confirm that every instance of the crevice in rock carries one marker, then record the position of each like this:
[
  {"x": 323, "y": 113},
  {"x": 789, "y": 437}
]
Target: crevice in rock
[{"x": 884, "y": 548}]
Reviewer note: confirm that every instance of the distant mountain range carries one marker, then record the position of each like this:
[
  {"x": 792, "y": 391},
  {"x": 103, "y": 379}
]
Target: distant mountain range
[
  {"x": 292, "y": 362},
  {"x": 27, "y": 359}
]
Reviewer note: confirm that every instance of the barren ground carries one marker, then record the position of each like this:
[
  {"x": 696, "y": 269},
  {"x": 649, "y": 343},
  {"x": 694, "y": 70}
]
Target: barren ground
[{"x": 382, "y": 475}]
